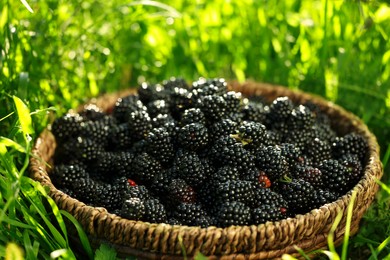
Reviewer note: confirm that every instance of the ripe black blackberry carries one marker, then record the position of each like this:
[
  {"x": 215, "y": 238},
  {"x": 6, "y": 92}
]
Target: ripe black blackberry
[
  {"x": 145, "y": 167},
  {"x": 157, "y": 107},
  {"x": 80, "y": 148},
  {"x": 223, "y": 127},
  {"x": 292, "y": 154},
  {"x": 126, "y": 105},
  {"x": 64, "y": 176},
  {"x": 335, "y": 176},
  {"x": 192, "y": 115},
  {"x": 160, "y": 146},
  {"x": 301, "y": 118},
  {"x": 119, "y": 137},
  {"x": 104, "y": 167},
  {"x": 162, "y": 120},
  {"x": 97, "y": 130},
  {"x": 108, "y": 196},
  {"x": 154, "y": 212},
  {"x": 66, "y": 127},
  {"x": 354, "y": 167},
  {"x": 133, "y": 208},
  {"x": 308, "y": 173},
  {"x": 213, "y": 107},
  {"x": 161, "y": 182},
  {"x": 92, "y": 112},
  {"x": 228, "y": 151},
  {"x": 233, "y": 213},
  {"x": 299, "y": 138},
  {"x": 254, "y": 111},
  {"x": 206, "y": 195},
  {"x": 280, "y": 110},
  {"x": 173, "y": 82},
  {"x": 351, "y": 143},
  {"x": 322, "y": 197},
  {"x": 121, "y": 163},
  {"x": 149, "y": 92},
  {"x": 87, "y": 190},
  {"x": 204, "y": 87},
  {"x": 299, "y": 195},
  {"x": 324, "y": 132},
  {"x": 224, "y": 174},
  {"x": 138, "y": 191},
  {"x": 267, "y": 197},
  {"x": 193, "y": 136},
  {"x": 252, "y": 133},
  {"x": 140, "y": 124},
  {"x": 181, "y": 99},
  {"x": 318, "y": 150},
  {"x": 270, "y": 160},
  {"x": 266, "y": 213},
  {"x": 189, "y": 167},
  {"x": 233, "y": 101},
  {"x": 235, "y": 190},
  {"x": 180, "y": 191},
  {"x": 191, "y": 214}
]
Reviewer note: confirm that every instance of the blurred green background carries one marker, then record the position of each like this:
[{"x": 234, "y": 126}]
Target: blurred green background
[{"x": 57, "y": 54}]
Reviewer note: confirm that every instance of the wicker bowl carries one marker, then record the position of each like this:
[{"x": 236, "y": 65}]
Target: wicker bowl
[{"x": 270, "y": 240}]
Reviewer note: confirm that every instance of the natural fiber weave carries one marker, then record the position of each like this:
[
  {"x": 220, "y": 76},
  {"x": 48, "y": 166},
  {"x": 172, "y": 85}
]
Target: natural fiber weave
[{"x": 265, "y": 241}]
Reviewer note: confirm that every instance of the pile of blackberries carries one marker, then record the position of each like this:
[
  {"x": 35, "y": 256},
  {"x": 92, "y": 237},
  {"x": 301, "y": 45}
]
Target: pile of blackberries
[{"x": 202, "y": 155}]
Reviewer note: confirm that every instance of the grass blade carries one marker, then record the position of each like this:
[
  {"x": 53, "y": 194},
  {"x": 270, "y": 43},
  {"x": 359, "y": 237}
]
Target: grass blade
[
  {"x": 24, "y": 116},
  {"x": 83, "y": 237},
  {"x": 11, "y": 143},
  {"x": 24, "y": 2},
  {"x": 348, "y": 227}
]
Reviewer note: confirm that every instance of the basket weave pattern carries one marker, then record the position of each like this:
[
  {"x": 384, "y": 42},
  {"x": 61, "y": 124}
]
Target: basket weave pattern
[{"x": 265, "y": 241}]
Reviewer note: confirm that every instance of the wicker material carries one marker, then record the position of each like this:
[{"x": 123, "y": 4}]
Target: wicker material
[{"x": 270, "y": 240}]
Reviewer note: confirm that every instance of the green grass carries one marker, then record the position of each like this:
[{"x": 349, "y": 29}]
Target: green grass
[{"x": 64, "y": 52}]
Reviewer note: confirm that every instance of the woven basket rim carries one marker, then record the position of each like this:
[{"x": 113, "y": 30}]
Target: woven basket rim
[{"x": 373, "y": 170}]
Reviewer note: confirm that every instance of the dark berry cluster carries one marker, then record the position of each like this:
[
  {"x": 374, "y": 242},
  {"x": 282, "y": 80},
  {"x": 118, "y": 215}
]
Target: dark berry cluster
[{"x": 202, "y": 155}]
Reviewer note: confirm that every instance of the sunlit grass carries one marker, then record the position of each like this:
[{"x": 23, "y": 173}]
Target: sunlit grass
[{"x": 56, "y": 54}]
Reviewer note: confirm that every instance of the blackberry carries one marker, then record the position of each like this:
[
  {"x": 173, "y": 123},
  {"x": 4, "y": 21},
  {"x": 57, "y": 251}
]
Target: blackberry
[
  {"x": 213, "y": 107},
  {"x": 308, "y": 173},
  {"x": 181, "y": 99},
  {"x": 83, "y": 149},
  {"x": 66, "y": 127},
  {"x": 180, "y": 191},
  {"x": 145, "y": 167},
  {"x": 92, "y": 112},
  {"x": 126, "y": 105},
  {"x": 97, "y": 131},
  {"x": 159, "y": 145},
  {"x": 193, "y": 136},
  {"x": 188, "y": 166},
  {"x": 122, "y": 163},
  {"x": 206, "y": 195},
  {"x": 301, "y": 118},
  {"x": 227, "y": 151},
  {"x": 270, "y": 160},
  {"x": 150, "y": 92},
  {"x": 268, "y": 198},
  {"x": 224, "y": 174},
  {"x": 318, "y": 150},
  {"x": 119, "y": 137},
  {"x": 87, "y": 190},
  {"x": 138, "y": 191},
  {"x": 324, "y": 132},
  {"x": 267, "y": 213},
  {"x": 233, "y": 213},
  {"x": 254, "y": 111},
  {"x": 335, "y": 176},
  {"x": 252, "y": 133},
  {"x": 223, "y": 127},
  {"x": 108, "y": 196},
  {"x": 154, "y": 212},
  {"x": 66, "y": 175},
  {"x": 233, "y": 101},
  {"x": 157, "y": 107},
  {"x": 191, "y": 215},
  {"x": 353, "y": 166},
  {"x": 133, "y": 209},
  {"x": 140, "y": 124},
  {"x": 299, "y": 138},
  {"x": 175, "y": 83},
  {"x": 280, "y": 110},
  {"x": 352, "y": 143},
  {"x": 161, "y": 182},
  {"x": 299, "y": 195},
  {"x": 104, "y": 166},
  {"x": 161, "y": 120},
  {"x": 236, "y": 190},
  {"x": 204, "y": 87},
  {"x": 322, "y": 197},
  {"x": 192, "y": 115},
  {"x": 291, "y": 153}
]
